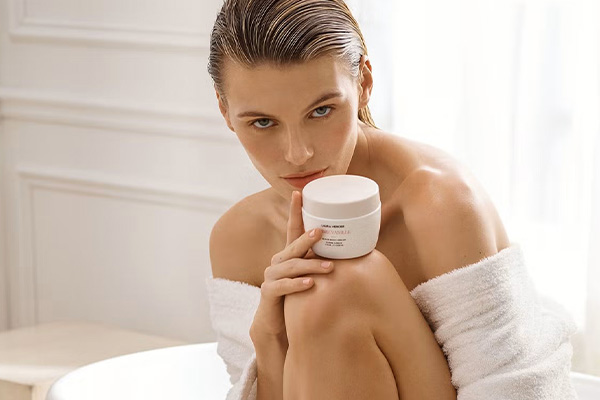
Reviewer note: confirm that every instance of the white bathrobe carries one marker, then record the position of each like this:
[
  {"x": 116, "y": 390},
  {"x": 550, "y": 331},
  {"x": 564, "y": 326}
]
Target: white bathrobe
[{"x": 502, "y": 340}]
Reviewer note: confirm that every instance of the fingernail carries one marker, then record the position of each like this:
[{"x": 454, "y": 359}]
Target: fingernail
[
  {"x": 312, "y": 233},
  {"x": 325, "y": 264}
]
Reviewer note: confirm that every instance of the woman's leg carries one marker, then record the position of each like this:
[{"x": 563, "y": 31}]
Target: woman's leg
[{"x": 357, "y": 334}]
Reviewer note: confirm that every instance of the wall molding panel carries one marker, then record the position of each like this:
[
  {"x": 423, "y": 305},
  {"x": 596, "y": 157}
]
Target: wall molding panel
[
  {"x": 114, "y": 153},
  {"x": 23, "y": 304},
  {"x": 21, "y": 104},
  {"x": 24, "y": 27}
]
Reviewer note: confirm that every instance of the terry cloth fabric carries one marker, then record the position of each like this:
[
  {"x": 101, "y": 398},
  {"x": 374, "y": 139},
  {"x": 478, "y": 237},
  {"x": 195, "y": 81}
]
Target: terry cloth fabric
[
  {"x": 232, "y": 308},
  {"x": 501, "y": 339}
]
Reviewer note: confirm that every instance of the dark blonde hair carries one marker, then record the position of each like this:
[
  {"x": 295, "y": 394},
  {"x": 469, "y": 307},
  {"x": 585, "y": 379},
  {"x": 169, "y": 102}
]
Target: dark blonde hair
[{"x": 252, "y": 32}]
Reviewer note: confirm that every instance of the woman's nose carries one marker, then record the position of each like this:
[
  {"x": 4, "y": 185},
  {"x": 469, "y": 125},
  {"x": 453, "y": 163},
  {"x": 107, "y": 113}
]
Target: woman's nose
[{"x": 298, "y": 148}]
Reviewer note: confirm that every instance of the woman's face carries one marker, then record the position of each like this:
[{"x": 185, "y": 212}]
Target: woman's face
[{"x": 294, "y": 119}]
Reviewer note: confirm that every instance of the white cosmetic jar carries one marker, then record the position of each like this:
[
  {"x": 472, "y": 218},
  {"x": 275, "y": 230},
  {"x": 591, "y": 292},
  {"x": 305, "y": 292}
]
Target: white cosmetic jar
[{"x": 348, "y": 210}]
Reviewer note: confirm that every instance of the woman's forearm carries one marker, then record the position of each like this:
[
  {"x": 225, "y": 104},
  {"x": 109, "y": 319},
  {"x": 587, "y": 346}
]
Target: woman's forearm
[{"x": 270, "y": 357}]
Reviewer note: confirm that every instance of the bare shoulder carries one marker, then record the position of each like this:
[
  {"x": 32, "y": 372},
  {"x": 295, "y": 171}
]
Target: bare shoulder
[
  {"x": 238, "y": 241},
  {"x": 450, "y": 217},
  {"x": 401, "y": 161}
]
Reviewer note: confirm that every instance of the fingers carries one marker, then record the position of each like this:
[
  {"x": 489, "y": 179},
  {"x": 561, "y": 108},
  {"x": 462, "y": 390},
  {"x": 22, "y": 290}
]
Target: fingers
[
  {"x": 282, "y": 287},
  {"x": 289, "y": 276},
  {"x": 298, "y": 248},
  {"x": 295, "y": 226}
]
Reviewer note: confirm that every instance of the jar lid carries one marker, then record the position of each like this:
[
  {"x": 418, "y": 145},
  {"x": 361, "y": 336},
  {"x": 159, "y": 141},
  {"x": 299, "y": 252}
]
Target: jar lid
[{"x": 340, "y": 196}]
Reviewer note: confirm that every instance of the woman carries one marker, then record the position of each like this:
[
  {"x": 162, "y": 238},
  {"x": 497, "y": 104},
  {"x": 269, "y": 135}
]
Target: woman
[{"x": 293, "y": 81}]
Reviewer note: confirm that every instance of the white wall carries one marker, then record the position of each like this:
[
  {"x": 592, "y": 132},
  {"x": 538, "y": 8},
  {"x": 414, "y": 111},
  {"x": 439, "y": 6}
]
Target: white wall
[{"x": 115, "y": 164}]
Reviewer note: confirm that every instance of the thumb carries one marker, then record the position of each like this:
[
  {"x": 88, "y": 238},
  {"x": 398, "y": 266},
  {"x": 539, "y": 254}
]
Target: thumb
[{"x": 295, "y": 225}]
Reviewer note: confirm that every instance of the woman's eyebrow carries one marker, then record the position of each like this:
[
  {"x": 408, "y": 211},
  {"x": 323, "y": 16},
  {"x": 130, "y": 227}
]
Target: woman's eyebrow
[{"x": 326, "y": 96}]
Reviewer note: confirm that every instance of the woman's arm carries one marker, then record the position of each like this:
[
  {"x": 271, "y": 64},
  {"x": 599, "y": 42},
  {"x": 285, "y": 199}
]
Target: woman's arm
[{"x": 270, "y": 359}]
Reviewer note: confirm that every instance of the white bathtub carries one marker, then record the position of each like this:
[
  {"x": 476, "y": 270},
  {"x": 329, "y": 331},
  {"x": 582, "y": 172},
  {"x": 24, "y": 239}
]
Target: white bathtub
[{"x": 189, "y": 372}]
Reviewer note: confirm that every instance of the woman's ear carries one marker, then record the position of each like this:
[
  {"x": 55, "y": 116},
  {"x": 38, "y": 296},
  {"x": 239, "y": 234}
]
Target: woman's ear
[
  {"x": 224, "y": 110},
  {"x": 365, "y": 82}
]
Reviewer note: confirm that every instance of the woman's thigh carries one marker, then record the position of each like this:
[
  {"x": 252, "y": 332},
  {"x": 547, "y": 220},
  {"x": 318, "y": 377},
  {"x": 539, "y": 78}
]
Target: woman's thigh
[{"x": 369, "y": 290}]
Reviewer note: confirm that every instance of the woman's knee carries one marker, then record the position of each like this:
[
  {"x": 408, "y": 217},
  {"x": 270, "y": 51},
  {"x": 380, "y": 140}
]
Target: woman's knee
[{"x": 346, "y": 294}]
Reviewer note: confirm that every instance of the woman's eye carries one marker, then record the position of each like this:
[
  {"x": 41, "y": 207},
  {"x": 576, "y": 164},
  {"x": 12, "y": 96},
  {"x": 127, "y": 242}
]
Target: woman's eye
[
  {"x": 262, "y": 123},
  {"x": 321, "y": 111}
]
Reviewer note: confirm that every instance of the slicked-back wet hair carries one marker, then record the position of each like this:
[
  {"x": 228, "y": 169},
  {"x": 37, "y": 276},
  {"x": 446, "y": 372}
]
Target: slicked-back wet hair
[{"x": 284, "y": 32}]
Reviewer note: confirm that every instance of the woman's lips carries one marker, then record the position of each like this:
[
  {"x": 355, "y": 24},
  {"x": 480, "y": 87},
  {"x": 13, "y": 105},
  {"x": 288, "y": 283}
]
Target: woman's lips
[{"x": 301, "y": 182}]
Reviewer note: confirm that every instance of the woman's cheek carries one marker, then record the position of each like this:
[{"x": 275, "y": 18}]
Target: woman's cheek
[
  {"x": 343, "y": 128},
  {"x": 249, "y": 136}
]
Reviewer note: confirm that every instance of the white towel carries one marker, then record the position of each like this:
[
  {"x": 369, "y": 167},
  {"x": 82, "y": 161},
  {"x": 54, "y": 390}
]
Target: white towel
[
  {"x": 501, "y": 339},
  {"x": 232, "y": 308}
]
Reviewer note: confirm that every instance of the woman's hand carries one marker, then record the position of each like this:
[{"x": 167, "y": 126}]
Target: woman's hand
[{"x": 285, "y": 275}]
